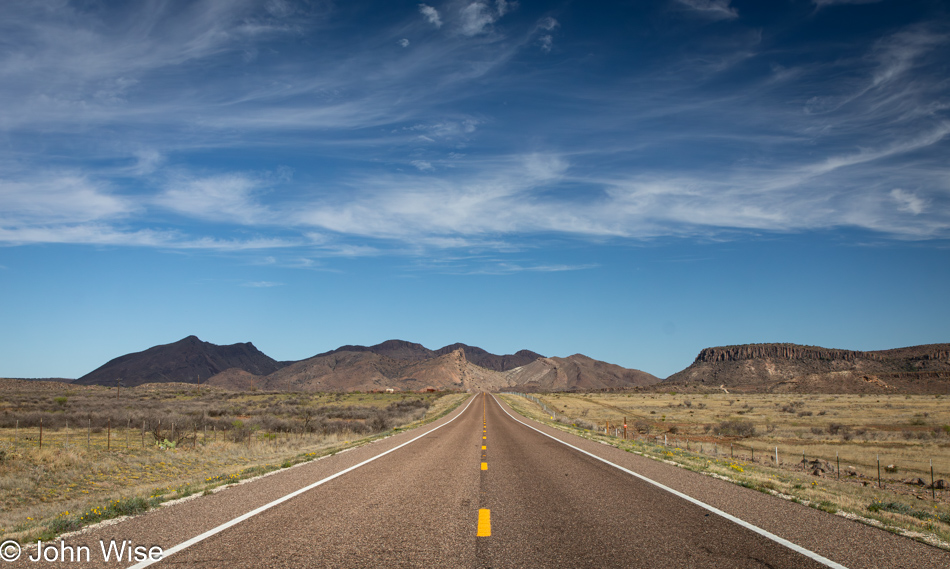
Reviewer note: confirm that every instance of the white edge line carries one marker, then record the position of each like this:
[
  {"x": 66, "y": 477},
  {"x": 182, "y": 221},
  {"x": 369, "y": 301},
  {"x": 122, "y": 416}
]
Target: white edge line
[
  {"x": 797, "y": 548},
  {"x": 252, "y": 513}
]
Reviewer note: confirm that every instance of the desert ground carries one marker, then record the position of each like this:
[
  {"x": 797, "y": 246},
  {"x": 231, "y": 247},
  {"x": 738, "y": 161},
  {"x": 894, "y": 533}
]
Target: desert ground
[
  {"x": 841, "y": 437},
  {"x": 99, "y": 456}
]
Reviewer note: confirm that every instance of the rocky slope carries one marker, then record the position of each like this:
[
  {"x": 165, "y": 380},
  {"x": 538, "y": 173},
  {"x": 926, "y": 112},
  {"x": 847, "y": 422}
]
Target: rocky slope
[
  {"x": 795, "y": 368},
  {"x": 402, "y": 350},
  {"x": 187, "y": 361},
  {"x": 576, "y": 373},
  {"x": 366, "y": 371}
]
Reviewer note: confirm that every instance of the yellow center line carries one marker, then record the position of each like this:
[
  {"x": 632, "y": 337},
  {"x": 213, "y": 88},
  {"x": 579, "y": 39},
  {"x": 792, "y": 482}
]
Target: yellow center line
[
  {"x": 484, "y": 466},
  {"x": 484, "y": 447},
  {"x": 484, "y": 438},
  {"x": 484, "y": 523}
]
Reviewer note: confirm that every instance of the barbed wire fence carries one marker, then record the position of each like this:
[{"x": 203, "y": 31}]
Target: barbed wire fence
[{"x": 769, "y": 455}]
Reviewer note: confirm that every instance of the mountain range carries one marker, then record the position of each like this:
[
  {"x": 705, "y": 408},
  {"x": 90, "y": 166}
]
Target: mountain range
[
  {"x": 401, "y": 365},
  {"x": 393, "y": 364}
]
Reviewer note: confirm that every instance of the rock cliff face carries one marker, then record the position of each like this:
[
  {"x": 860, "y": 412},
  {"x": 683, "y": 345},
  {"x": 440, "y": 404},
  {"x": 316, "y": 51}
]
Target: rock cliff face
[
  {"x": 925, "y": 353},
  {"x": 795, "y": 368},
  {"x": 778, "y": 351}
]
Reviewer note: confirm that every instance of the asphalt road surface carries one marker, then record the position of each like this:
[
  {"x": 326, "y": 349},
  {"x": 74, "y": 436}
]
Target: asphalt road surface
[{"x": 483, "y": 488}]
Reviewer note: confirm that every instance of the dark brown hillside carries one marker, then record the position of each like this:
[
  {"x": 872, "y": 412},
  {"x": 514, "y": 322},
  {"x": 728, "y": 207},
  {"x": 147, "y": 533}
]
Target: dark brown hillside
[
  {"x": 186, "y": 361},
  {"x": 795, "y": 368},
  {"x": 395, "y": 349}
]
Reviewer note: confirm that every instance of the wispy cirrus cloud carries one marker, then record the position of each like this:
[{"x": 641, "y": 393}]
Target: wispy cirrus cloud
[
  {"x": 502, "y": 268},
  {"x": 422, "y": 149},
  {"x": 229, "y": 197},
  {"x": 262, "y": 284},
  {"x": 715, "y": 9},
  {"x": 104, "y": 234},
  {"x": 822, "y": 3},
  {"x": 56, "y": 197}
]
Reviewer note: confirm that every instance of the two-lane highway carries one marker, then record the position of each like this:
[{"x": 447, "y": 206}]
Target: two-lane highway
[
  {"x": 483, "y": 488},
  {"x": 554, "y": 507}
]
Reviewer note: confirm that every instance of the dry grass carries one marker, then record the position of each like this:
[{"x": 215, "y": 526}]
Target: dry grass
[
  {"x": 867, "y": 426},
  {"x": 82, "y": 475},
  {"x": 906, "y": 431}
]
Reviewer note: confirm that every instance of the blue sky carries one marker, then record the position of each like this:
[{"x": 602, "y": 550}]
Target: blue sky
[{"x": 634, "y": 181}]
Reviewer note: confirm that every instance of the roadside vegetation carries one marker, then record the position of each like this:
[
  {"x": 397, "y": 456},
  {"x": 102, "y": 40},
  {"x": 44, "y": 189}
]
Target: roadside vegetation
[
  {"x": 103, "y": 457},
  {"x": 735, "y": 436}
]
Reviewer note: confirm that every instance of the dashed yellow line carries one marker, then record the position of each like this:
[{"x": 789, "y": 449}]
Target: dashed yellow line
[
  {"x": 484, "y": 466},
  {"x": 484, "y": 523},
  {"x": 484, "y": 447}
]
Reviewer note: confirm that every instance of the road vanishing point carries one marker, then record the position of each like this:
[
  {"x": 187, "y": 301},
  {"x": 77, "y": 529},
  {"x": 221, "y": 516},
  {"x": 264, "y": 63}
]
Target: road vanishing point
[{"x": 484, "y": 487}]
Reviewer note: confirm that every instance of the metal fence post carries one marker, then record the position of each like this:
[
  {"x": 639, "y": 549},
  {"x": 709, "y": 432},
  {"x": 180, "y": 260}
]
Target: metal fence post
[{"x": 879, "y": 471}]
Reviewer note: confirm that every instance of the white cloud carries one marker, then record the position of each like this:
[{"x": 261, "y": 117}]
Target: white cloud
[
  {"x": 548, "y": 23},
  {"x": 227, "y": 197},
  {"x": 446, "y": 129},
  {"x": 147, "y": 161},
  {"x": 908, "y": 202},
  {"x": 894, "y": 58},
  {"x": 431, "y": 15},
  {"x": 404, "y": 42},
  {"x": 544, "y": 167},
  {"x": 423, "y": 165},
  {"x": 519, "y": 198},
  {"x": 716, "y": 9},
  {"x": 59, "y": 198},
  {"x": 512, "y": 268},
  {"x": 103, "y": 234},
  {"x": 899, "y": 52},
  {"x": 546, "y": 42},
  {"x": 476, "y": 18}
]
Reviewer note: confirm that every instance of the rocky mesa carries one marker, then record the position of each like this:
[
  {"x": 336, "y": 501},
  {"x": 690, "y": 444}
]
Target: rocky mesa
[{"x": 814, "y": 369}]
